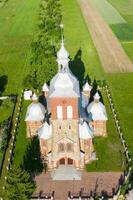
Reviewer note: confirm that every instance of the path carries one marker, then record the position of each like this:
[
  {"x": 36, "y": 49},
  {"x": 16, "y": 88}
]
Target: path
[
  {"x": 111, "y": 53},
  {"x": 99, "y": 181}
]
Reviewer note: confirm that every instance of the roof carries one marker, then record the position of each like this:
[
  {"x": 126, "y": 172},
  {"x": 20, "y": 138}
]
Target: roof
[
  {"x": 45, "y": 132},
  {"x": 35, "y": 112},
  {"x": 45, "y": 88},
  {"x": 62, "y": 55},
  {"x": 98, "y": 111},
  {"x": 85, "y": 131},
  {"x": 87, "y": 87},
  {"x": 27, "y": 95},
  {"x": 34, "y": 97},
  {"x": 64, "y": 84},
  {"x": 96, "y": 96}
]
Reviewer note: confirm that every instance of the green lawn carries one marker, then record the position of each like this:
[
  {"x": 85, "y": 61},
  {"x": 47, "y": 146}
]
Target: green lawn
[
  {"x": 27, "y": 151},
  {"x": 125, "y": 8},
  {"x": 110, "y": 14},
  {"x": 124, "y": 32},
  {"x": 109, "y": 149},
  {"x": 17, "y": 24}
]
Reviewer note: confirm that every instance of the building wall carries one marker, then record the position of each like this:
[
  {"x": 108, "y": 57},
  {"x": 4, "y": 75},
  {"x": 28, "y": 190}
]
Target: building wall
[
  {"x": 32, "y": 127},
  {"x": 64, "y": 102},
  {"x": 65, "y": 131},
  {"x": 100, "y": 128}
]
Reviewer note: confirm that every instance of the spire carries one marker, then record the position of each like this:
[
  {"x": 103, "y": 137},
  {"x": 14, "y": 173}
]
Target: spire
[
  {"x": 62, "y": 55},
  {"x": 87, "y": 87},
  {"x": 96, "y": 97},
  {"x": 34, "y": 98}
]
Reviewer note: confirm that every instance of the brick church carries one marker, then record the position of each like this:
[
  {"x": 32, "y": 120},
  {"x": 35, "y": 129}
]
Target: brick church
[{"x": 66, "y": 136}]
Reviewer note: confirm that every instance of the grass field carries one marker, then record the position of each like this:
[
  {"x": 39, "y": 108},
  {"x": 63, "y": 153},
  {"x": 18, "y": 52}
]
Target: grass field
[
  {"x": 108, "y": 12},
  {"x": 125, "y": 8},
  {"x": 119, "y": 15},
  {"x": 17, "y": 23},
  {"x": 124, "y": 32},
  {"x": 107, "y": 146}
]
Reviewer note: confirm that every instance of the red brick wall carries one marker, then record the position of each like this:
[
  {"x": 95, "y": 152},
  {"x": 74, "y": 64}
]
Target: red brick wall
[{"x": 64, "y": 102}]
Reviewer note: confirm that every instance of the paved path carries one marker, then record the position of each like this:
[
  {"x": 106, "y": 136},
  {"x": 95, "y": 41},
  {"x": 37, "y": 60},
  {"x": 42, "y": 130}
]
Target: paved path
[
  {"x": 111, "y": 53},
  {"x": 92, "y": 181}
]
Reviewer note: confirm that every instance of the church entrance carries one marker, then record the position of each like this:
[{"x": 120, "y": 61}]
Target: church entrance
[
  {"x": 66, "y": 161},
  {"x": 70, "y": 161},
  {"x": 62, "y": 161}
]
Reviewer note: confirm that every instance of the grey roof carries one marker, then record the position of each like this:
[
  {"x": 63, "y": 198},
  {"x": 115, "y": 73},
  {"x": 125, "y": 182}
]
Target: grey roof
[
  {"x": 98, "y": 111},
  {"x": 35, "y": 112},
  {"x": 64, "y": 84}
]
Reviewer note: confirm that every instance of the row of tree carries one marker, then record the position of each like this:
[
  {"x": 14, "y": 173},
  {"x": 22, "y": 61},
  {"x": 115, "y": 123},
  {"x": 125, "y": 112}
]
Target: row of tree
[{"x": 45, "y": 44}]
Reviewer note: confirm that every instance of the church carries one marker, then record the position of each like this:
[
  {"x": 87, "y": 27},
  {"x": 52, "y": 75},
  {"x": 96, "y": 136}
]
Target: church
[{"x": 68, "y": 122}]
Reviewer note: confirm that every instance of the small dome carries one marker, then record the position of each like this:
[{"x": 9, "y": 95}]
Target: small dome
[
  {"x": 45, "y": 132},
  {"x": 35, "y": 112},
  {"x": 34, "y": 97},
  {"x": 63, "y": 57},
  {"x": 45, "y": 88},
  {"x": 98, "y": 111},
  {"x": 62, "y": 53},
  {"x": 96, "y": 96},
  {"x": 85, "y": 132},
  {"x": 87, "y": 87}
]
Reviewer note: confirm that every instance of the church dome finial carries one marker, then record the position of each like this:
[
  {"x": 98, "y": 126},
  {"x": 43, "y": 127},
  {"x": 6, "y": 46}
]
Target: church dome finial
[{"x": 62, "y": 54}]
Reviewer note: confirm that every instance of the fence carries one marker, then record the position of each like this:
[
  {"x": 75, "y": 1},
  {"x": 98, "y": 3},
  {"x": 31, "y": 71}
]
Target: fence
[{"x": 13, "y": 130}]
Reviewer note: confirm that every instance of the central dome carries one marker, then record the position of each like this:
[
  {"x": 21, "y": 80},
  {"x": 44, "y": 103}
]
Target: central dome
[{"x": 63, "y": 82}]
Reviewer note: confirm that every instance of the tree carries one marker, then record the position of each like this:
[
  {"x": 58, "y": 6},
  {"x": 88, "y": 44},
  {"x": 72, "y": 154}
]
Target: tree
[
  {"x": 18, "y": 185},
  {"x": 47, "y": 38}
]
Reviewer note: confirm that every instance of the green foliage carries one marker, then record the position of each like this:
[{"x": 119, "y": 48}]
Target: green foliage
[
  {"x": 48, "y": 34},
  {"x": 30, "y": 81},
  {"x": 5, "y": 135},
  {"x": 18, "y": 185},
  {"x": 5, "y": 139},
  {"x": 44, "y": 47}
]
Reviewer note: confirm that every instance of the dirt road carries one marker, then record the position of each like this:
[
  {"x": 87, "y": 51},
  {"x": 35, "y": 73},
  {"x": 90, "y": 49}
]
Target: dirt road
[{"x": 110, "y": 51}]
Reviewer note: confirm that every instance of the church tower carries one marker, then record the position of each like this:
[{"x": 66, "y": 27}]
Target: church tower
[{"x": 63, "y": 98}]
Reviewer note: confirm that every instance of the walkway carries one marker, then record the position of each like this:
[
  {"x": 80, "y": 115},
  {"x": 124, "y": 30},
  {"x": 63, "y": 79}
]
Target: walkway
[
  {"x": 111, "y": 53},
  {"x": 91, "y": 181}
]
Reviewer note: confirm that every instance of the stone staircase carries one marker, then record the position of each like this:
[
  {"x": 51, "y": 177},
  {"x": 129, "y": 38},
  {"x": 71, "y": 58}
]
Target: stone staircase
[{"x": 66, "y": 172}]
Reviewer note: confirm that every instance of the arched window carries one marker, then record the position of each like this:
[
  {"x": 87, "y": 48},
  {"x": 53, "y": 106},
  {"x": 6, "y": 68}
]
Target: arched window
[
  {"x": 69, "y": 112},
  {"x": 59, "y": 112},
  {"x": 69, "y": 147},
  {"x": 61, "y": 147}
]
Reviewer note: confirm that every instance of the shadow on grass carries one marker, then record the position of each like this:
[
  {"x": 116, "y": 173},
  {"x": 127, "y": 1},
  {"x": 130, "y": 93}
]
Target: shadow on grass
[
  {"x": 77, "y": 66},
  {"x": 3, "y": 83},
  {"x": 32, "y": 160}
]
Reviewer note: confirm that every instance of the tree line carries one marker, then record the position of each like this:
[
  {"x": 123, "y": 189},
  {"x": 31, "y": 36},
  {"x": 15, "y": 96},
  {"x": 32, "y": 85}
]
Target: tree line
[{"x": 45, "y": 45}]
